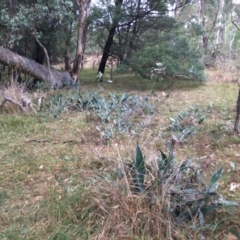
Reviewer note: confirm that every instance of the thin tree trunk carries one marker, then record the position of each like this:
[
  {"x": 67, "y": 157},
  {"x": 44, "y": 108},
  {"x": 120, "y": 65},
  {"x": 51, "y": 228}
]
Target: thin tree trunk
[
  {"x": 106, "y": 50},
  {"x": 237, "y": 114},
  {"x": 234, "y": 31},
  {"x": 219, "y": 24},
  {"x": 68, "y": 31},
  {"x": 39, "y": 58},
  {"x": 203, "y": 22},
  {"x": 30, "y": 67},
  {"x": 109, "y": 41},
  {"x": 84, "y": 9}
]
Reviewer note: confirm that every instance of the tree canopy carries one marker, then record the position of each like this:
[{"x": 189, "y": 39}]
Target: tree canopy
[{"x": 185, "y": 35}]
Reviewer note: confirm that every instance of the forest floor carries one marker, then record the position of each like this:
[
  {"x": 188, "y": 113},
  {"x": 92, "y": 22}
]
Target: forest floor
[{"x": 58, "y": 169}]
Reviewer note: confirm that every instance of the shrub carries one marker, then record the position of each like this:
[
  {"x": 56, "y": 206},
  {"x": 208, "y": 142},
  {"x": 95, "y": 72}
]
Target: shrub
[{"x": 176, "y": 55}]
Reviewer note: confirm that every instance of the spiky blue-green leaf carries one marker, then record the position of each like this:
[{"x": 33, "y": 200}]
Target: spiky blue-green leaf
[
  {"x": 207, "y": 209},
  {"x": 201, "y": 218},
  {"x": 163, "y": 155},
  {"x": 216, "y": 176},
  {"x": 124, "y": 98},
  {"x": 227, "y": 203},
  {"x": 139, "y": 170}
]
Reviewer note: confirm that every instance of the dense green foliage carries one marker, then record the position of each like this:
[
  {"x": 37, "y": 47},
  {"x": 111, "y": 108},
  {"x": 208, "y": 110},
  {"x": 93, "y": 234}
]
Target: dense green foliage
[
  {"x": 22, "y": 21},
  {"x": 175, "y": 54},
  {"x": 138, "y": 25}
]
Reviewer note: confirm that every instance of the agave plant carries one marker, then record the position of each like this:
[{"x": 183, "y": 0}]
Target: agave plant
[
  {"x": 139, "y": 171},
  {"x": 187, "y": 122},
  {"x": 114, "y": 112},
  {"x": 190, "y": 197},
  {"x": 58, "y": 103}
]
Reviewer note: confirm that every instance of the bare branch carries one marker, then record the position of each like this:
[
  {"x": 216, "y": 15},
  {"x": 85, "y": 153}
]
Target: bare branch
[
  {"x": 47, "y": 57},
  {"x": 77, "y": 2},
  {"x": 235, "y": 25}
]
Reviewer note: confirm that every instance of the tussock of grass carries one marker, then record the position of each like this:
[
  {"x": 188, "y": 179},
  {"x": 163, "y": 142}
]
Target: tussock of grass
[{"x": 16, "y": 92}]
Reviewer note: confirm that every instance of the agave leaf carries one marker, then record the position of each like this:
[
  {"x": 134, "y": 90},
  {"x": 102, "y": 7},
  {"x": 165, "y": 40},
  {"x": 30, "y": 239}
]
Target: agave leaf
[
  {"x": 171, "y": 155},
  {"x": 162, "y": 162},
  {"x": 188, "y": 213},
  {"x": 227, "y": 203},
  {"x": 201, "y": 218},
  {"x": 233, "y": 166},
  {"x": 186, "y": 164},
  {"x": 124, "y": 98},
  {"x": 193, "y": 197},
  {"x": 139, "y": 170},
  {"x": 201, "y": 119},
  {"x": 53, "y": 112},
  {"x": 214, "y": 180},
  {"x": 199, "y": 179},
  {"x": 138, "y": 181},
  {"x": 163, "y": 155},
  {"x": 207, "y": 209}
]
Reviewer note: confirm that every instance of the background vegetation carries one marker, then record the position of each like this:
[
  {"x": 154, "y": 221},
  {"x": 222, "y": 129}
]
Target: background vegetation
[{"x": 126, "y": 157}]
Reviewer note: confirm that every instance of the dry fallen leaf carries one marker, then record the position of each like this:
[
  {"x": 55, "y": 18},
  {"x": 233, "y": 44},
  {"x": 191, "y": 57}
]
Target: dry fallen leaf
[{"x": 230, "y": 236}]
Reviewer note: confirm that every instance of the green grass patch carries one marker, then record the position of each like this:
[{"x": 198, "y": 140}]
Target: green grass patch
[{"x": 60, "y": 178}]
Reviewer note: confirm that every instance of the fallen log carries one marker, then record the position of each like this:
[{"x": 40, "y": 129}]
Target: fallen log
[{"x": 55, "y": 78}]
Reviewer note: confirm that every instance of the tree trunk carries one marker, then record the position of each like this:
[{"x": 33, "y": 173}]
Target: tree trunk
[
  {"x": 39, "y": 54},
  {"x": 36, "y": 70},
  {"x": 111, "y": 34},
  {"x": 219, "y": 24},
  {"x": 106, "y": 50},
  {"x": 68, "y": 31},
  {"x": 84, "y": 9},
  {"x": 237, "y": 114},
  {"x": 234, "y": 31},
  {"x": 39, "y": 58},
  {"x": 203, "y": 22}
]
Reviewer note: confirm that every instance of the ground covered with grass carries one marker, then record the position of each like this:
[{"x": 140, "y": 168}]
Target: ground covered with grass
[{"x": 65, "y": 171}]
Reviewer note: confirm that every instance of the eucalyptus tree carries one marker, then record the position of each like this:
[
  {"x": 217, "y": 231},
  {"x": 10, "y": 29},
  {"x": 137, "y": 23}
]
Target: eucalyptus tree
[
  {"x": 83, "y": 13},
  {"x": 44, "y": 22},
  {"x": 145, "y": 32},
  {"x": 213, "y": 18},
  {"x": 121, "y": 23}
]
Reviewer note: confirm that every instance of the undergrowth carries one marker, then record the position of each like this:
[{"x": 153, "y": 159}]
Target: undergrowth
[
  {"x": 112, "y": 114},
  {"x": 58, "y": 181}
]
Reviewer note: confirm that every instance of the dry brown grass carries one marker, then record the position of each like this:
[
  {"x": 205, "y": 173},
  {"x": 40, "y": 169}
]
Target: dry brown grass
[
  {"x": 58, "y": 176},
  {"x": 16, "y": 92}
]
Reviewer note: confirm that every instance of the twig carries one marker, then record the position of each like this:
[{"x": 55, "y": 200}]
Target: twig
[
  {"x": 49, "y": 141},
  {"x": 235, "y": 25}
]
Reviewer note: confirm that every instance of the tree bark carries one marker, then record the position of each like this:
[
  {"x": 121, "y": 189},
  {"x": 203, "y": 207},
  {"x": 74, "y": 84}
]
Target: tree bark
[
  {"x": 84, "y": 10},
  {"x": 36, "y": 70},
  {"x": 68, "y": 31},
  {"x": 111, "y": 34},
  {"x": 203, "y": 22},
  {"x": 39, "y": 58},
  {"x": 237, "y": 114},
  {"x": 219, "y": 24}
]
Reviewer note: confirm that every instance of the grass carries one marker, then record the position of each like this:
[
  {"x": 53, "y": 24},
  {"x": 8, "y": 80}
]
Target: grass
[{"x": 57, "y": 177}]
